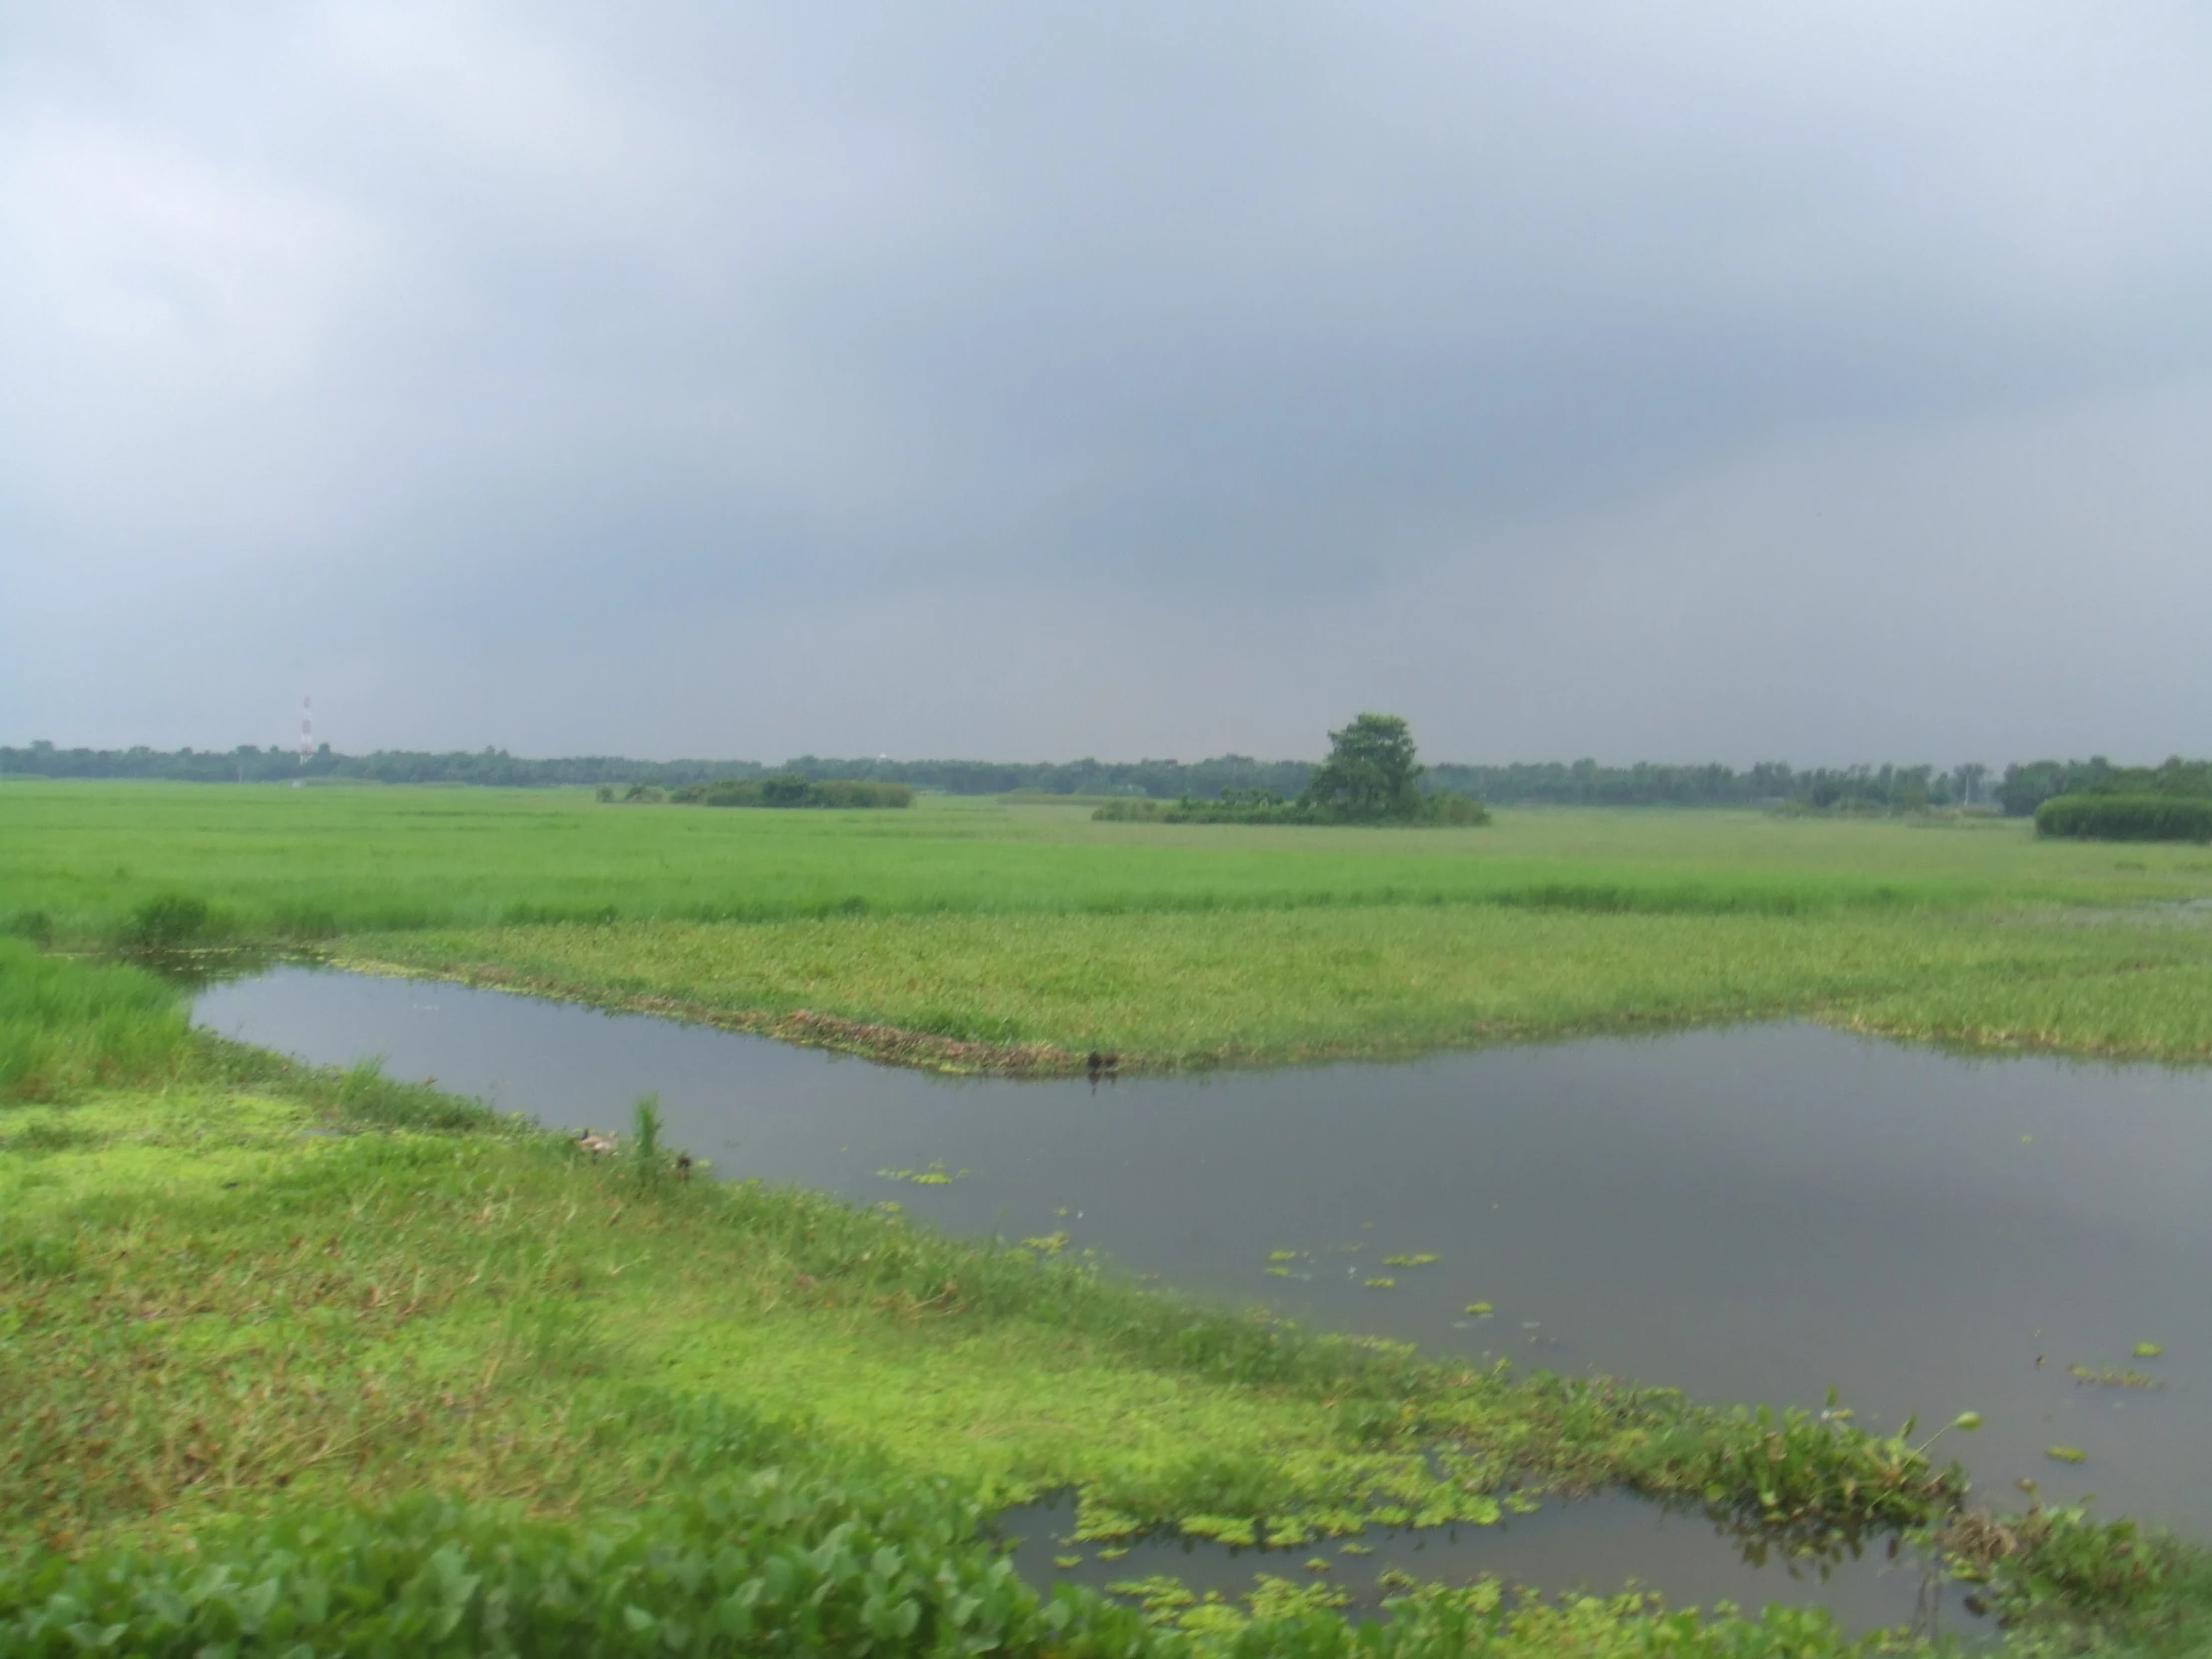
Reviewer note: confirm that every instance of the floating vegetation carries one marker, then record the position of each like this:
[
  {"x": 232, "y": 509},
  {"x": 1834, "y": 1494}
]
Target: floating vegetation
[
  {"x": 1284, "y": 1254},
  {"x": 1379, "y": 1284},
  {"x": 936, "y": 1175},
  {"x": 1319, "y": 1563},
  {"x": 1279, "y": 1273},
  {"x": 1280, "y": 1598},
  {"x": 1159, "y": 1595},
  {"x": 1481, "y": 1309},
  {"x": 1355, "y": 1548},
  {"x": 1419, "y": 1258},
  {"x": 2148, "y": 1350},
  {"x": 2106, "y": 1377},
  {"x": 1113, "y": 1552},
  {"x": 2066, "y": 1454},
  {"x": 1237, "y": 1531},
  {"x": 1048, "y": 1243},
  {"x": 1064, "y": 1562}
]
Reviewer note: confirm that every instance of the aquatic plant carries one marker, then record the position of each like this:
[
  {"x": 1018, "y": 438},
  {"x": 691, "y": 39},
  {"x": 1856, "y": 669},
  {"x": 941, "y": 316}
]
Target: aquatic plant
[
  {"x": 2112, "y": 1376},
  {"x": 936, "y": 1175}
]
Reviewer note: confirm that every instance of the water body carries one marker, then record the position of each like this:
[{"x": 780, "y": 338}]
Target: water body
[{"x": 1751, "y": 1215}]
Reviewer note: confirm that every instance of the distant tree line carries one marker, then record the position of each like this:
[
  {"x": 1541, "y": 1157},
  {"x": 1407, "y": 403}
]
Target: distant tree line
[
  {"x": 248, "y": 765},
  {"x": 2023, "y": 788}
]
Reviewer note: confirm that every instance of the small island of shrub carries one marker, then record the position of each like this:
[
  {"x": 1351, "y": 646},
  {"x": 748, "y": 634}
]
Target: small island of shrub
[
  {"x": 1370, "y": 776},
  {"x": 2126, "y": 818},
  {"x": 791, "y": 789}
]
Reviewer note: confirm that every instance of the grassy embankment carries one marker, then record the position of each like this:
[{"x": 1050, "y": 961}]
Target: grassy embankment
[
  {"x": 321, "y": 1357},
  {"x": 980, "y": 932}
]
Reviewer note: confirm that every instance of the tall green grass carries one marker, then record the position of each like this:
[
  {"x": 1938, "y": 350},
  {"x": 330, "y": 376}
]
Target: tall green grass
[
  {"x": 65, "y": 1026},
  {"x": 1240, "y": 987},
  {"x": 96, "y": 864}
]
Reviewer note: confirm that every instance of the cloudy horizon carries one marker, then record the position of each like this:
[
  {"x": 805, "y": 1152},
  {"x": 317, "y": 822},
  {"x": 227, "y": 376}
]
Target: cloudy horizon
[{"x": 1832, "y": 384}]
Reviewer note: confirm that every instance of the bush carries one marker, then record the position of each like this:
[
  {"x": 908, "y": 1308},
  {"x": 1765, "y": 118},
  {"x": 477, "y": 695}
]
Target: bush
[
  {"x": 1266, "y": 807},
  {"x": 2126, "y": 818},
  {"x": 1135, "y": 809},
  {"x": 791, "y": 789},
  {"x": 170, "y": 921},
  {"x": 1453, "y": 809}
]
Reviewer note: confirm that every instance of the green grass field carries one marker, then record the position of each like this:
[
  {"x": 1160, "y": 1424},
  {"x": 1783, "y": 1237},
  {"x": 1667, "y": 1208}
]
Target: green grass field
[
  {"x": 295, "y": 1358},
  {"x": 984, "y": 926},
  {"x": 311, "y": 863}
]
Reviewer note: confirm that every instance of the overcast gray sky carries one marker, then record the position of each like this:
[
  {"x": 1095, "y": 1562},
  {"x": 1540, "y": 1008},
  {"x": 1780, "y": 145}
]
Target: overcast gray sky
[{"x": 1819, "y": 382}]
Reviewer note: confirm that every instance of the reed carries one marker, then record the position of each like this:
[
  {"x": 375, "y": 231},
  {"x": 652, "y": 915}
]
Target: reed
[{"x": 66, "y": 1028}]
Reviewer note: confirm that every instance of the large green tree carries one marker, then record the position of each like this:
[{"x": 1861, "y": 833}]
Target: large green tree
[{"x": 1370, "y": 773}]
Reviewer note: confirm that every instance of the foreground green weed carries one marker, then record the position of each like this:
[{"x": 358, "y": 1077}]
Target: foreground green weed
[
  {"x": 64, "y": 1026},
  {"x": 392, "y": 1391},
  {"x": 313, "y": 1361},
  {"x": 471, "y": 1391}
]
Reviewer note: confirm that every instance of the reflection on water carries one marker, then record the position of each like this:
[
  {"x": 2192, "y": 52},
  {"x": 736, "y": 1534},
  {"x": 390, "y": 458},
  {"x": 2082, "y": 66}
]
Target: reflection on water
[{"x": 1751, "y": 1215}]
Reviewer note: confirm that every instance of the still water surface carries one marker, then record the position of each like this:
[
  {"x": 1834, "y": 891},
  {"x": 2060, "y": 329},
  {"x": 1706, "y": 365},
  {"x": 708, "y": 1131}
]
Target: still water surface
[{"x": 1751, "y": 1215}]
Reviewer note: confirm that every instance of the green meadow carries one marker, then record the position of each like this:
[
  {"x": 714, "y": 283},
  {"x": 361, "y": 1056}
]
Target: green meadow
[
  {"x": 304, "y": 1362},
  {"x": 982, "y": 924}
]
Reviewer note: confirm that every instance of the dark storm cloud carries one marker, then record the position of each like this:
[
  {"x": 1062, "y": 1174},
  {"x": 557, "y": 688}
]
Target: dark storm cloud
[{"x": 1006, "y": 380}]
